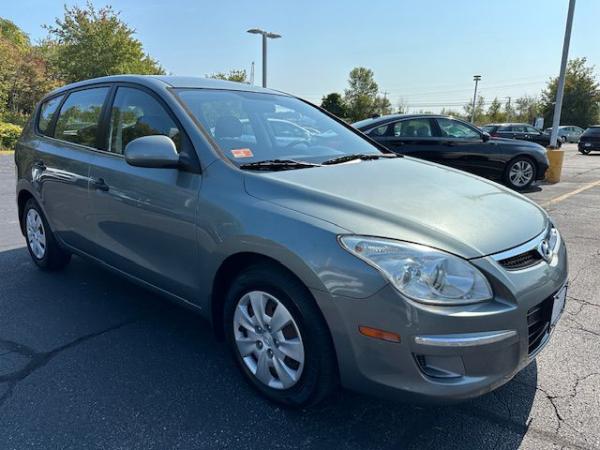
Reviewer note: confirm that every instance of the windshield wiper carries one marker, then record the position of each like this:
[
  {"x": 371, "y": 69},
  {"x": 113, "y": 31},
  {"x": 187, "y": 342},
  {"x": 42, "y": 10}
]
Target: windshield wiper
[
  {"x": 361, "y": 156},
  {"x": 278, "y": 164}
]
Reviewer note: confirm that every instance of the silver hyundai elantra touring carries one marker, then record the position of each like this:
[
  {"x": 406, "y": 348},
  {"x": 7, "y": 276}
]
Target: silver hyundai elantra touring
[{"x": 321, "y": 258}]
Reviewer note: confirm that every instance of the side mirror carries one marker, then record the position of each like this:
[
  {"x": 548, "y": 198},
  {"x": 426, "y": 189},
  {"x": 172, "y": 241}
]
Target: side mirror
[
  {"x": 152, "y": 151},
  {"x": 485, "y": 136}
]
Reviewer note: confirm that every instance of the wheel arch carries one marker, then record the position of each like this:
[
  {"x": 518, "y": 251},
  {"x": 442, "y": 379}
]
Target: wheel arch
[{"x": 22, "y": 198}]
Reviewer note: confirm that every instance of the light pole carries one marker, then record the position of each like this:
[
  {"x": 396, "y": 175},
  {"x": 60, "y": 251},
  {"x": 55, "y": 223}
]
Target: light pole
[
  {"x": 561, "y": 78},
  {"x": 265, "y": 35},
  {"x": 476, "y": 78}
]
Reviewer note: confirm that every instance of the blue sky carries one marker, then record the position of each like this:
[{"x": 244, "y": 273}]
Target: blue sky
[{"x": 424, "y": 52}]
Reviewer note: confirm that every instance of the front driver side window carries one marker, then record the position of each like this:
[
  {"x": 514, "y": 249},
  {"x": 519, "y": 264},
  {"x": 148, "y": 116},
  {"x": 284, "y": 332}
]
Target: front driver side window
[
  {"x": 135, "y": 114},
  {"x": 455, "y": 129}
]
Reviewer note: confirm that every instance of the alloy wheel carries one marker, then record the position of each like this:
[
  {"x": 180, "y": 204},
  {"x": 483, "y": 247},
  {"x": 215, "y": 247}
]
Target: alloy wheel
[
  {"x": 268, "y": 340},
  {"x": 521, "y": 173},
  {"x": 36, "y": 235}
]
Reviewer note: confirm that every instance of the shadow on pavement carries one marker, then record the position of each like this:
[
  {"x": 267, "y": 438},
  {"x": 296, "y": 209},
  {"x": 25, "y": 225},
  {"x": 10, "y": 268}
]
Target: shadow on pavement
[{"x": 86, "y": 356}]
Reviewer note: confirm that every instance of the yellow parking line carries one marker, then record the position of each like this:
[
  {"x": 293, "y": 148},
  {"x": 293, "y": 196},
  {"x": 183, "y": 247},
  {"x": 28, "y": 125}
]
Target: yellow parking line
[{"x": 560, "y": 198}]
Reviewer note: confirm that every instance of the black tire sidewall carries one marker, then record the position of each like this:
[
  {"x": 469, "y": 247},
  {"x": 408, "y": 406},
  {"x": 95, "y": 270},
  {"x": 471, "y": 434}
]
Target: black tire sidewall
[
  {"x": 507, "y": 173},
  {"x": 54, "y": 256},
  {"x": 293, "y": 296}
]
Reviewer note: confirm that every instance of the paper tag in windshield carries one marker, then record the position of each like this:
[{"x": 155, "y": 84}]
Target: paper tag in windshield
[{"x": 242, "y": 153}]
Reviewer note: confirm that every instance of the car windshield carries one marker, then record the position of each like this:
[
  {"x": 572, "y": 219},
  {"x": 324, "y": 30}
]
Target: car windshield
[{"x": 251, "y": 127}]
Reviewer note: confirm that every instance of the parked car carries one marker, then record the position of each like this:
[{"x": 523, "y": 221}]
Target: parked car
[
  {"x": 567, "y": 133},
  {"x": 458, "y": 144},
  {"x": 323, "y": 262},
  {"x": 589, "y": 140},
  {"x": 520, "y": 131}
]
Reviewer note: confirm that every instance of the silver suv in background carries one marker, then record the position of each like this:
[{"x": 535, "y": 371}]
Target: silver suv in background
[
  {"x": 567, "y": 133},
  {"x": 322, "y": 259}
]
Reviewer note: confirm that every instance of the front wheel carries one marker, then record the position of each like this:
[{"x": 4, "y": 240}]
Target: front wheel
[
  {"x": 41, "y": 243},
  {"x": 584, "y": 151},
  {"x": 520, "y": 173},
  {"x": 279, "y": 338}
]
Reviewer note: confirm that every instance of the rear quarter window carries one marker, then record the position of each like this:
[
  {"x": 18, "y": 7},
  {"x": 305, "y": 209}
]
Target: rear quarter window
[{"x": 47, "y": 111}]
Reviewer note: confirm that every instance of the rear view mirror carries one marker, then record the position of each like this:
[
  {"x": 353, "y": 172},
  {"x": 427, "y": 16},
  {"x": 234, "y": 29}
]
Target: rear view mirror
[{"x": 152, "y": 151}]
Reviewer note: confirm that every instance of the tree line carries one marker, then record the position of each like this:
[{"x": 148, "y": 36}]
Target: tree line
[{"x": 581, "y": 103}]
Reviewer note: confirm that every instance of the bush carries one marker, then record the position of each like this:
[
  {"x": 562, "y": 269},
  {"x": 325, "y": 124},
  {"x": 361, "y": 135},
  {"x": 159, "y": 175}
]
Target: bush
[{"x": 9, "y": 134}]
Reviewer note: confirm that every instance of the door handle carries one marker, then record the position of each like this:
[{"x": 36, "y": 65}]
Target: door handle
[{"x": 99, "y": 184}]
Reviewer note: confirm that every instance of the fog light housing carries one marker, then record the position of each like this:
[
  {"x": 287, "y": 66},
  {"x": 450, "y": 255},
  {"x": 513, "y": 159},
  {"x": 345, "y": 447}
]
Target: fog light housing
[{"x": 441, "y": 366}]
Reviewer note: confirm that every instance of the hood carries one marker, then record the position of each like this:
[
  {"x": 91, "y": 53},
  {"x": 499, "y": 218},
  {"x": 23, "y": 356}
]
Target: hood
[{"x": 409, "y": 200}]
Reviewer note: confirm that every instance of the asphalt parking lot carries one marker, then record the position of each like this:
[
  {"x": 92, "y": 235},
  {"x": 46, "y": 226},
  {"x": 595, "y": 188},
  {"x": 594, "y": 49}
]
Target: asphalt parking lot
[{"x": 88, "y": 360}]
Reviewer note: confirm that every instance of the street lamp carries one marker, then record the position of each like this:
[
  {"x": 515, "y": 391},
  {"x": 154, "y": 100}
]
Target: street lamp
[
  {"x": 561, "y": 77},
  {"x": 265, "y": 35},
  {"x": 476, "y": 78}
]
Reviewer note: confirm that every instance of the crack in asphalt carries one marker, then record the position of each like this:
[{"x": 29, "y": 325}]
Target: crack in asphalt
[{"x": 38, "y": 360}]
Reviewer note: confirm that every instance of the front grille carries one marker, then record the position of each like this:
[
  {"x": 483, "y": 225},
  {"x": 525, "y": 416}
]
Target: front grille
[
  {"x": 538, "y": 323},
  {"x": 521, "y": 261}
]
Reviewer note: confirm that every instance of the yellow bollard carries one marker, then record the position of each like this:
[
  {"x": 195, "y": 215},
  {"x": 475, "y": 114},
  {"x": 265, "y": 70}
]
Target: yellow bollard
[{"x": 555, "y": 158}]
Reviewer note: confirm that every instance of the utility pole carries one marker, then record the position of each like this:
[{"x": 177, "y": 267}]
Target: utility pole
[
  {"x": 561, "y": 78},
  {"x": 265, "y": 35},
  {"x": 476, "y": 78}
]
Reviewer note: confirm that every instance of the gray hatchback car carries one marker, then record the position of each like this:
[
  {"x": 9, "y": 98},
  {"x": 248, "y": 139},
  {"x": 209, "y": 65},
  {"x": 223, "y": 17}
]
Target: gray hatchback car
[{"x": 321, "y": 258}]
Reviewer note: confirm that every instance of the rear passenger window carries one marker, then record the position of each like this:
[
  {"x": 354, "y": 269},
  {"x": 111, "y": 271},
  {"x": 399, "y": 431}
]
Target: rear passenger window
[
  {"x": 80, "y": 116},
  {"x": 135, "y": 114},
  {"x": 413, "y": 128},
  {"x": 47, "y": 111}
]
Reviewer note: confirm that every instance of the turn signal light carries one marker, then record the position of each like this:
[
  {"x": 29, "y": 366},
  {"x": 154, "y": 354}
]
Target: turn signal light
[{"x": 379, "y": 334}]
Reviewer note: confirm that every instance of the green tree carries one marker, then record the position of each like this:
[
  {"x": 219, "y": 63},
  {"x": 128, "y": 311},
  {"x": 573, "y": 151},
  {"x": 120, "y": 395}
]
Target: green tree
[
  {"x": 334, "y": 103},
  {"x": 238, "y": 75},
  {"x": 361, "y": 95},
  {"x": 92, "y": 43},
  {"x": 480, "y": 116},
  {"x": 581, "y": 100},
  {"x": 25, "y": 75},
  {"x": 526, "y": 109},
  {"x": 382, "y": 105},
  {"x": 494, "y": 112}
]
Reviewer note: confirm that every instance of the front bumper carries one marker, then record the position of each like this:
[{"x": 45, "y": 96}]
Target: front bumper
[{"x": 446, "y": 354}]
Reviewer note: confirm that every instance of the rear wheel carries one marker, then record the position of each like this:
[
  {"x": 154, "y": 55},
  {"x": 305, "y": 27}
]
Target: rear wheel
[
  {"x": 563, "y": 139},
  {"x": 279, "y": 338},
  {"x": 41, "y": 243},
  {"x": 520, "y": 173}
]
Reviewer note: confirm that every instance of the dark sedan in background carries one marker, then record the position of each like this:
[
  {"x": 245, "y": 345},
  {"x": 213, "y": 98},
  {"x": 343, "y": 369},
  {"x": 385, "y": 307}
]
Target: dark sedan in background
[
  {"x": 457, "y": 144},
  {"x": 589, "y": 140},
  {"x": 521, "y": 131}
]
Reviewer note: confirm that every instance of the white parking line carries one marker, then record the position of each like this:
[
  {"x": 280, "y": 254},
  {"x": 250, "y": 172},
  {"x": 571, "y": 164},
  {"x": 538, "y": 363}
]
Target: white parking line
[{"x": 560, "y": 198}]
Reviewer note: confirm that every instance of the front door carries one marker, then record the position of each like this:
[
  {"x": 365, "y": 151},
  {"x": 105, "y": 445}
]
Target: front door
[{"x": 145, "y": 217}]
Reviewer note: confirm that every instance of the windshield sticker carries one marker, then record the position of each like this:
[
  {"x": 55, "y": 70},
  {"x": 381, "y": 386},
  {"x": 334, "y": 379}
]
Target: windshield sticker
[{"x": 242, "y": 153}]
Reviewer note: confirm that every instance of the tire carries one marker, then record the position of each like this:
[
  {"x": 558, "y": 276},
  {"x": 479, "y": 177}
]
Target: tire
[
  {"x": 311, "y": 375},
  {"x": 520, "y": 173},
  {"x": 41, "y": 243},
  {"x": 563, "y": 139},
  {"x": 584, "y": 151}
]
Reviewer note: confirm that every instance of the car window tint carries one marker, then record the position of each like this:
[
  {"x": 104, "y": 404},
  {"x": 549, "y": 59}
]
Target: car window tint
[
  {"x": 532, "y": 130},
  {"x": 505, "y": 128},
  {"x": 379, "y": 131},
  {"x": 455, "y": 129},
  {"x": 80, "y": 115},
  {"x": 413, "y": 128},
  {"x": 518, "y": 128},
  {"x": 47, "y": 111},
  {"x": 134, "y": 114}
]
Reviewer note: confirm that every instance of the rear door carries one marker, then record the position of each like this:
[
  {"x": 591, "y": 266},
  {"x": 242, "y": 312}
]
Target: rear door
[
  {"x": 62, "y": 163},
  {"x": 416, "y": 137},
  {"x": 145, "y": 217}
]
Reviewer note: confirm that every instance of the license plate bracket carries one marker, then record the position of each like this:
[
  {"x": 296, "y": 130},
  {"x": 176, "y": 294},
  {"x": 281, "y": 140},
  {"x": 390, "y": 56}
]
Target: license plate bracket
[{"x": 558, "y": 305}]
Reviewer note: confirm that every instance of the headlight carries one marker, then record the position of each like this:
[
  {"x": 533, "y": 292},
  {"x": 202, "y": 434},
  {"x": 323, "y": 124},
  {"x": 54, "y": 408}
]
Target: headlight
[{"x": 421, "y": 273}]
